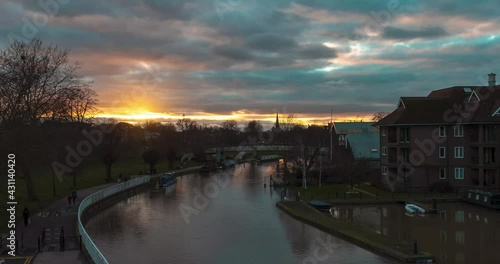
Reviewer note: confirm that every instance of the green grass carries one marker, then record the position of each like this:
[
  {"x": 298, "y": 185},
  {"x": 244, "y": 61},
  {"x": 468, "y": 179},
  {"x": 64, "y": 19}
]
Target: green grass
[
  {"x": 325, "y": 192},
  {"x": 92, "y": 175},
  {"x": 329, "y": 192}
]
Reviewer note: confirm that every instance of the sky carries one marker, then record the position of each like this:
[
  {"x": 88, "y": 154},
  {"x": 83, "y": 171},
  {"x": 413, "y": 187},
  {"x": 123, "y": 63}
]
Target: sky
[{"x": 214, "y": 60}]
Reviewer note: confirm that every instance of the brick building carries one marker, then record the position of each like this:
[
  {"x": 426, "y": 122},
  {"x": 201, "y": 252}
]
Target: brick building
[{"x": 450, "y": 136}]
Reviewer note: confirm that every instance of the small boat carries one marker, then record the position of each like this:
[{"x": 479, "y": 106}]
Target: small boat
[
  {"x": 167, "y": 179},
  {"x": 320, "y": 205},
  {"x": 485, "y": 199},
  {"x": 414, "y": 209}
]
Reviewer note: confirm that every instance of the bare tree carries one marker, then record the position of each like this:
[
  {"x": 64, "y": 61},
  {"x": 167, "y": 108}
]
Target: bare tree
[
  {"x": 230, "y": 125},
  {"x": 379, "y": 116},
  {"x": 288, "y": 122},
  {"x": 253, "y": 127},
  {"x": 35, "y": 79},
  {"x": 184, "y": 125}
]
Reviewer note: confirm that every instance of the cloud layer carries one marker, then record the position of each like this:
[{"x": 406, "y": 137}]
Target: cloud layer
[{"x": 254, "y": 56}]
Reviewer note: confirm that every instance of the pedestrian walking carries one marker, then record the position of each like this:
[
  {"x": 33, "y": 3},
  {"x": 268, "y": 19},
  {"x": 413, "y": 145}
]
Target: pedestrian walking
[
  {"x": 26, "y": 216},
  {"x": 74, "y": 196}
]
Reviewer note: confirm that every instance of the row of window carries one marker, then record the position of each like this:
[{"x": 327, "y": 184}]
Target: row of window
[
  {"x": 458, "y": 131},
  {"x": 459, "y": 173},
  {"x": 459, "y": 152}
]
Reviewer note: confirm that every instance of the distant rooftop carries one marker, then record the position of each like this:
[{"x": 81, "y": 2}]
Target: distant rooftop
[
  {"x": 347, "y": 128},
  {"x": 365, "y": 145}
]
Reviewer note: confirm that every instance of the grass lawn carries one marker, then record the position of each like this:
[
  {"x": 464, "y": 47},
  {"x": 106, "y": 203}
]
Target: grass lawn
[
  {"x": 93, "y": 175},
  {"x": 329, "y": 192},
  {"x": 325, "y": 192}
]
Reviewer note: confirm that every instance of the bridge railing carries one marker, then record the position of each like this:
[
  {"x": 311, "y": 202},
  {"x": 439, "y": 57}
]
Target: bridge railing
[
  {"x": 90, "y": 247},
  {"x": 254, "y": 148}
]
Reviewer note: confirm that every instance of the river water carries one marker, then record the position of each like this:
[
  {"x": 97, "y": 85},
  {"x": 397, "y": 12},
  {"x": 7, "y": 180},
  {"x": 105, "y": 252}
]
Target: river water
[
  {"x": 226, "y": 217},
  {"x": 459, "y": 233}
]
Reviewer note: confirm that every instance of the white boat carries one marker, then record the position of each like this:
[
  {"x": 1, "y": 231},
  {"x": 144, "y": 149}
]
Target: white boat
[{"x": 414, "y": 209}]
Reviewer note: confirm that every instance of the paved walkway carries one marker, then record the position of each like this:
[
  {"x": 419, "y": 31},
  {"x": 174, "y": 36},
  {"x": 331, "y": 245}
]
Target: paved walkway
[{"x": 52, "y": 218}]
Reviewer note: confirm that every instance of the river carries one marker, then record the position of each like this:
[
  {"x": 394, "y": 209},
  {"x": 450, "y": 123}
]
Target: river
[{"x": 236, "y": 221}]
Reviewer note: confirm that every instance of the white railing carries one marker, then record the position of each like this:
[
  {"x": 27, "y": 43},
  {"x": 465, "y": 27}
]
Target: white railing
[{"x": 89, "y": 245}]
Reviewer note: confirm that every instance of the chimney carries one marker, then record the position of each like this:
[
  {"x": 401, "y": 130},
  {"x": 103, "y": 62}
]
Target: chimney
[{"x": 491, "y": 79}]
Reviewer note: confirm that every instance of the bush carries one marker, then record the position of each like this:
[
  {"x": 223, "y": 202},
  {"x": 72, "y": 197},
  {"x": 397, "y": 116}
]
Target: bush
[{"x": 441, "y": 187}]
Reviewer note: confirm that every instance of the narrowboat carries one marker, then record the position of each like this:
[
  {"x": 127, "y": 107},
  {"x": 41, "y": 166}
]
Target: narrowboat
[
  {"x": 482, "y": 198},
  {"x": 167, "y": 179}
]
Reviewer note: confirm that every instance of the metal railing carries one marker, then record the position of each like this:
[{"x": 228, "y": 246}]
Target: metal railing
[{"x": 92, "y": 250}]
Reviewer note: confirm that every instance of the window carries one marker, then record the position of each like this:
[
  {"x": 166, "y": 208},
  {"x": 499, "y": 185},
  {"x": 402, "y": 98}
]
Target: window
[
  {"x": 459, "y": 152},
  {"x": 458, "y": 131},
  {"x": 460, "y": 237},
  {"x": 384, "y": 131},
  {"x": 459, "y": 216},
  {"x": 384, "y": 170},
  {"x": 489, "y": 156},
  {"x": 342, "y": 141},
  {"x": 405, "y": 135},
  {"x": 442, "y": 152},
  {"x": 405, "y": 155},
  {"x": 490, "y": 133},
  {"x": 459, "y": 173},
  {"x": 442, "y": 131},
  {"x": 384, "y": 151},
  {"x": 405, "y": 175},
  {"x": 442, "y": 173}
]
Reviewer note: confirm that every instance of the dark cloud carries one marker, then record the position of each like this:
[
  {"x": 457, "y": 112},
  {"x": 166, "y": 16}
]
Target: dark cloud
[
  {"x": 270, "y": 42},
  {"x": 259, "y": 55},
  {"x": 232, "y": 52},
  {"x": 407, "y": 34},
  {"x": 316, "y": 51}
]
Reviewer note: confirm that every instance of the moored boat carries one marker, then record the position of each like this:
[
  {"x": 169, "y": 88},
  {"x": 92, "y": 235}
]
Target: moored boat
[
  {"x": 167, "y": 179},
  {"x": 320, "y": 205},
  {"x": 482, "y": 198},
  {"x": 414, "y": 209}
]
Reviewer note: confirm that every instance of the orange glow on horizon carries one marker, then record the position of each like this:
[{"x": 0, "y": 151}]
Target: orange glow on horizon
[{"x": 143, "y": 115}]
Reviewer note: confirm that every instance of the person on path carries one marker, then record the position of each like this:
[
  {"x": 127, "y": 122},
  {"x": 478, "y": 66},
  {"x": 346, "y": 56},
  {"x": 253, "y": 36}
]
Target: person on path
[
  {"x": 74, "y": 196},
  {"x": 26, "y": 216}
]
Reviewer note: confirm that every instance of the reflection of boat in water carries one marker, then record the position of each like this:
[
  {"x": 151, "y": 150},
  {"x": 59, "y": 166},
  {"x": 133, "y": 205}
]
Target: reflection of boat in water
[
  {"x": 170, "y": 188},
  {"x": 414, "y": 209},
  {"x": 320, "y": 205},
  {"x": 167, "y": 179},
  {"x": 486, "y": 199}
]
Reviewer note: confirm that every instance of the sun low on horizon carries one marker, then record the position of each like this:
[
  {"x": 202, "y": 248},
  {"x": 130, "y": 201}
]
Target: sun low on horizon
[{"x": 137, "y": 116}]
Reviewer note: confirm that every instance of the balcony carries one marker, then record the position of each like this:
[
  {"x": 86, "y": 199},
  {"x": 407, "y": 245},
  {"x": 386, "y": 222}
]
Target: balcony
[{"x": 474, "y": 160}]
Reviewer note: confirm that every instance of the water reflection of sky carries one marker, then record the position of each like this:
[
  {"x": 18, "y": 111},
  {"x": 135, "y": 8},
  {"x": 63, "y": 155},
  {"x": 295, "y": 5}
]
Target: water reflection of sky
[
  {"x": 458, "y": 233},
  {"x": 240, "y": 224}
]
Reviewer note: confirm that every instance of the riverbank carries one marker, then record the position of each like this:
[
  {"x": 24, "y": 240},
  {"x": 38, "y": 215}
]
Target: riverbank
[
  {"x": 353, "y": 233},
  {"x": 54, "y": 216}
]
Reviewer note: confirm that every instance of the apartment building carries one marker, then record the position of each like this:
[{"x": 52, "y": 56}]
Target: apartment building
[{"x": 450, "y": 136}]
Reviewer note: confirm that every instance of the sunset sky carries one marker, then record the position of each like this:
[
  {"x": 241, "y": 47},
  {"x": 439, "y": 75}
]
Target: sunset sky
[{"x": 247, "y": 59}]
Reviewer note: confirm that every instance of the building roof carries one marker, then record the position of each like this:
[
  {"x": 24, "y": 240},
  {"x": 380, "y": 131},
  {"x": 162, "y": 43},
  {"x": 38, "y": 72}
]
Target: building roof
[
  {"x": 365, "y": 145},
  {"x": 459, "y": 104},
  {"x": 344, "y": 128}
]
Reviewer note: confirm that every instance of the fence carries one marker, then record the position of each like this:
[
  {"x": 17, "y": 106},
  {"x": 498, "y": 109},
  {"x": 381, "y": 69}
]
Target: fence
[{"x": 92, "y": 250}]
